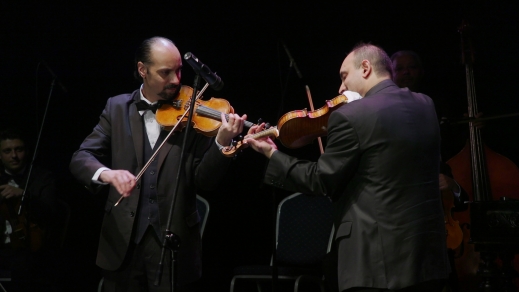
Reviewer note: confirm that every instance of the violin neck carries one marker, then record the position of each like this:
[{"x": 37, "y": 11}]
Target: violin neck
[
  {"x": 270, "y": 132},
  {"x": 216, "y": 115}
]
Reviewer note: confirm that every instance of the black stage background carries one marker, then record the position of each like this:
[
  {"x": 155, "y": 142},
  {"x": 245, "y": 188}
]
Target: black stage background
[{"x": 90, "y": 48}]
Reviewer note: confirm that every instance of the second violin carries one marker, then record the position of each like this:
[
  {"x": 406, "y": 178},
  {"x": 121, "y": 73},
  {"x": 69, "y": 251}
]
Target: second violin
[{"x": 300, "y": 127}]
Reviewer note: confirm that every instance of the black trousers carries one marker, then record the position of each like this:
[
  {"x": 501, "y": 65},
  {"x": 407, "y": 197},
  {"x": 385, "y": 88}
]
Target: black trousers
[{"x": 139, "y": 269}]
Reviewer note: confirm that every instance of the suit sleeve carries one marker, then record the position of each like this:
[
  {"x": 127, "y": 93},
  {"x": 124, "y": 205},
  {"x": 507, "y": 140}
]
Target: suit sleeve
[
  {"x": 93, "y": 152},
  {"x": 330, "y": 174},
  {"x": 212, "y": 167}
]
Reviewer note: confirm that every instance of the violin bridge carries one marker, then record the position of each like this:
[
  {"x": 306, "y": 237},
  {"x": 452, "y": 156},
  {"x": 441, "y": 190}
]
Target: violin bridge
[{"x": 177, "y": 104}]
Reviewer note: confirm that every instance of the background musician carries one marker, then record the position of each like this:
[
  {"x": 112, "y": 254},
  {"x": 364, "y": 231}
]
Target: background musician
[{"x": 25, "y": 239}]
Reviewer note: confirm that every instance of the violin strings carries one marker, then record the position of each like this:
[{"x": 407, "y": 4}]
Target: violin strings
[{"x": 214, "y": 114}]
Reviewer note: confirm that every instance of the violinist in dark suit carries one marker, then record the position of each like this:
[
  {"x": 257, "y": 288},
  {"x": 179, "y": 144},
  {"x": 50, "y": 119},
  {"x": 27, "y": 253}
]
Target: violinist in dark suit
[
  {"x": 121, "y": 143},
  {"x": 23, "y": 237},
  {"x": 380, "y": 167}
]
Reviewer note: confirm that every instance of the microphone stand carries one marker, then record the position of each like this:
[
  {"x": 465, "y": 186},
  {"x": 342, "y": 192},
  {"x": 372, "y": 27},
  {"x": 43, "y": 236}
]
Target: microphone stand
[
  {"x": 171, "y": 240},
  {"x": 37, "y": 143},
  {"x": 275, "y": 271}
]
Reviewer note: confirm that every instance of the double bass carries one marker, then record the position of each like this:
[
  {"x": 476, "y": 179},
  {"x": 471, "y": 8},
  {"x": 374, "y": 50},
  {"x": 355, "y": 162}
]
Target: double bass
[{"x": 484, "y": 174}]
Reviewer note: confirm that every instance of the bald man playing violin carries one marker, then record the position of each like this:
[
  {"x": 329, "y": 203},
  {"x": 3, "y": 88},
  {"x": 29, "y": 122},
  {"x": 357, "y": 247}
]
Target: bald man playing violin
[
  {"x": 121, "y": 143},
  {"x": 380, "y": 167}
]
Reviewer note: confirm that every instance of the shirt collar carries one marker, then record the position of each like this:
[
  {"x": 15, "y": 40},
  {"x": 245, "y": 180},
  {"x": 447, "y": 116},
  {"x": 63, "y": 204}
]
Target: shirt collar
[
  {"x": 144, "y": 98},
  {"x": 9, "y": 173},
  {"x": 379, "y": 86}
]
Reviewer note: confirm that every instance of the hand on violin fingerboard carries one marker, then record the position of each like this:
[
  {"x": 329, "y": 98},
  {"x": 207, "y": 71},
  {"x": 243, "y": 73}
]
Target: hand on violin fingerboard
[
  {"x": 263, "y": 145},
  {"x": 230, "y": 128}
]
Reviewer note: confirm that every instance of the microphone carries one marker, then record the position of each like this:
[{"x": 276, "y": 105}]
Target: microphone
[
  {"x": 54, "y": 76},
  {"x": 292, "y": 62},
  {"x": 211, "y": 78}
]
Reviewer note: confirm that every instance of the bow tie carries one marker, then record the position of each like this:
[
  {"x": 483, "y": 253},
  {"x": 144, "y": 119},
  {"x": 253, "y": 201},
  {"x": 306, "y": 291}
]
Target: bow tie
[
  {"x": 18, "y": 178},
  {"x": 144, "y": 106}
]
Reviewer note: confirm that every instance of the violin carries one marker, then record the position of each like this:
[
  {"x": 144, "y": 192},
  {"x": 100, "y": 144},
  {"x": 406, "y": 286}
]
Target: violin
[
  {"x": 453, "y": 231},
  {"x": 300, "y": 127},
  {"x": 25, "y": 234},
  {"x": 207, "y": 113},
  {"x": 206, "y": 120}
]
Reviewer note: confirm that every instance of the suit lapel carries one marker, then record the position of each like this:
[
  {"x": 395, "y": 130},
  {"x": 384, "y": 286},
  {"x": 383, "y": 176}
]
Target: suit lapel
[
  {"x": 165, "y": 149},
  {"x": 137, "y": 130}
]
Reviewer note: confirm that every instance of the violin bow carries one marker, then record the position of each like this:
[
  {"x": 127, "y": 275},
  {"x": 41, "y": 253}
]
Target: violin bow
[
  {"x": 308, "y": 94},
  {"x": 164, "y": 142}
]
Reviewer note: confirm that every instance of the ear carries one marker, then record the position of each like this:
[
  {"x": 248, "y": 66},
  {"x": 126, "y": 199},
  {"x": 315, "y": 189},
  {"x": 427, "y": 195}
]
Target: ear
[
  {"x": 366, "y": 67},
  {"x": 142, "y": 69}
]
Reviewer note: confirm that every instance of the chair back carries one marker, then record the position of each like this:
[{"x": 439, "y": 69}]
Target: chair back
[
  {"x": 203, "y": 211},
  {"x": 303, "y": 230}
]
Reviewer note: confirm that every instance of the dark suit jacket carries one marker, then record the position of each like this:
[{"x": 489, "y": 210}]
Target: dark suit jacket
[
  {"x": 117, "y": 142},
  {"x": 381, "y": 167}
]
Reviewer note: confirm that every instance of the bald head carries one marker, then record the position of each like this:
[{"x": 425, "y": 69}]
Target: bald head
[
  {"x": 144, "y": 51},
  {"x": 159, "y": 64},
  {"x": 364, "y": 67},
  {"x": 376, "y": 56}
]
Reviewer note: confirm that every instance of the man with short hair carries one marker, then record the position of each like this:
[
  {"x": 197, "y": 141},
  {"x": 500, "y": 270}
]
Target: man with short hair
[
  {"x": 125, "y": 138},
  {"x": 407, "y": 70},
  {"x": 22, "y": 249},
  {"x": 380, "y": 168}
]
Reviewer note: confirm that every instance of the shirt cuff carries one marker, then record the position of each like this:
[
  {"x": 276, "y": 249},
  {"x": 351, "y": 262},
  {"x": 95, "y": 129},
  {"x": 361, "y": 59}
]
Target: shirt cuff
[
  {"x": 95, "y": 178},
  {"x": 220, "y": 147}
]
